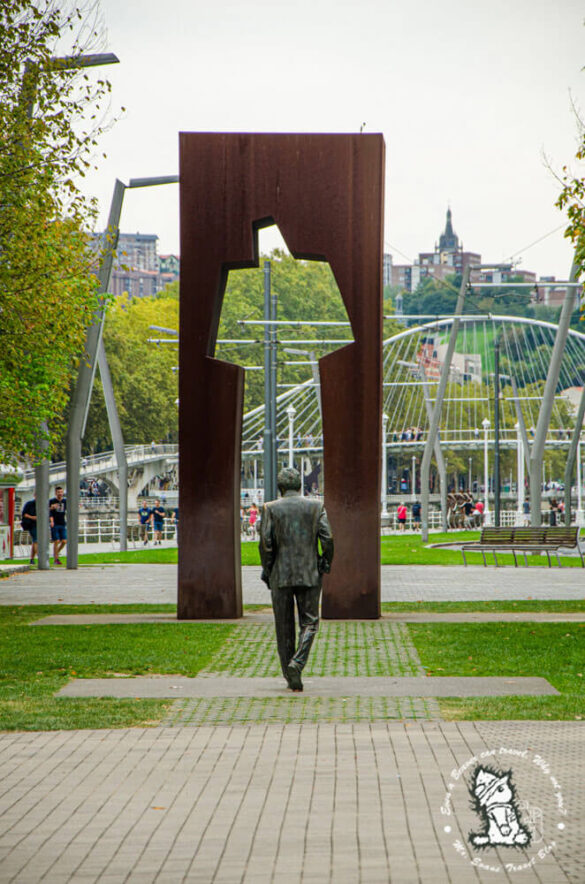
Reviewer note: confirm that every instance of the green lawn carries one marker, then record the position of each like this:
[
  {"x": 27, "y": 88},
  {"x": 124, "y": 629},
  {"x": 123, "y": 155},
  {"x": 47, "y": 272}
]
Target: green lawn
[
  {"x": 406, "y": 549},
  {"x": 37, "y": 661},
  {"x": 555, "y": 651},
  {"x": 487, "y": 606}
]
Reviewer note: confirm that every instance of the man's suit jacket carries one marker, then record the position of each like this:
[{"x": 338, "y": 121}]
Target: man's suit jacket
[{"x": 290, "y": 531}]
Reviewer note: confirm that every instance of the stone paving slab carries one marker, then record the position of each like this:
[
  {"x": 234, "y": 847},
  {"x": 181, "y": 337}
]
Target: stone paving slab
[
  {"x": 277, "y": 804},
  {"x": 146, "y": 583},
  {"x": 133, "y": 619},
  {"x": 266, "y": 688},
  {"x": 266, "y": 616}
]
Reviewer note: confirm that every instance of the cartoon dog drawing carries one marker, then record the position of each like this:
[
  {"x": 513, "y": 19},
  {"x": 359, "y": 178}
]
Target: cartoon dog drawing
[{"x": 495, "y": 801}]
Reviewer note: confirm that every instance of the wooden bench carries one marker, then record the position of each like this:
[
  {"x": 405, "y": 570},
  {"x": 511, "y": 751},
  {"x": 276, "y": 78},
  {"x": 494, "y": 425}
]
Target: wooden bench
[{"x": 525, "y": 540}]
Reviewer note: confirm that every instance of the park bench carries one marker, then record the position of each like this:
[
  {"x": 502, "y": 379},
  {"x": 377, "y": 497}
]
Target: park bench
[{"x": 525, "y": 540}]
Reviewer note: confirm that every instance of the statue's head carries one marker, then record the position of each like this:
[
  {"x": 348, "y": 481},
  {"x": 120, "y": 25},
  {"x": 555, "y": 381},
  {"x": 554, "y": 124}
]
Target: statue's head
[{"x": 289, "y": 479}]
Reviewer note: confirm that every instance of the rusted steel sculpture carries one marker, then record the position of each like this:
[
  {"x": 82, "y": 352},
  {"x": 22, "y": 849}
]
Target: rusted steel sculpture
[{"x": 325, "y": 193}]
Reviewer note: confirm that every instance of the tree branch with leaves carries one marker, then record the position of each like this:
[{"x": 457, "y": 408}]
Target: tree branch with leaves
[{"x": 49, "y": 129}]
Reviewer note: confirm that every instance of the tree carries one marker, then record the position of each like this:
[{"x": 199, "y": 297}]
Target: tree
[
  {"x": 47, "y": 288},
  {"x": 145, "y": 385},
  {"x": 572, "y": 200}
]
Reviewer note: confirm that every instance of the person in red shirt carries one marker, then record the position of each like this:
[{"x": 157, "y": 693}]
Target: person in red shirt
[
  {"x": 479, "y": 508},
  {"x": 401, "y": 513}
]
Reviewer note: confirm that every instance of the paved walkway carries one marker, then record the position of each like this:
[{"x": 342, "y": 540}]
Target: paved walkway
[
  {"x": 377, "y": 802},
  {"x": 324, "y": 789},
  {"x": 126, "y": 584}
]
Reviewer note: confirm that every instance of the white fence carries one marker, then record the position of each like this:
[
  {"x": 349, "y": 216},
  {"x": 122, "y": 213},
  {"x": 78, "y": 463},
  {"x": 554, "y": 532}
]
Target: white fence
[{"x": 106, "y": 529}]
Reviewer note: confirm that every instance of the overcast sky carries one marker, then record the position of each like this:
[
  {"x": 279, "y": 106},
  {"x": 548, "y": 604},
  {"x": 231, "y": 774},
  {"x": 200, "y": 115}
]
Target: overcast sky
[{"x": 470, "y": 96}]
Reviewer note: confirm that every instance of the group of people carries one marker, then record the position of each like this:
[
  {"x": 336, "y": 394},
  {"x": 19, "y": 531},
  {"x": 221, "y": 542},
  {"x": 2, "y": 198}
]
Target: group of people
[
  {"x": 154, "y": 517},
  {"x": 471, "y": 514},
  {"x": 57, "y": 524}
]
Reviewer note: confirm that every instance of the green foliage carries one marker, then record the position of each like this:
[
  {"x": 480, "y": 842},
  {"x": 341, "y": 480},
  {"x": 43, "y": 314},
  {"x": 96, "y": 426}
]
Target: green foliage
[
  {"x": 572, "y": 201},
  {"x": 144, "y": 382},
  {"x": 47, "y": 290},
  {"x": 437, "y": 297},
  {"x": 306, "y": 290}
]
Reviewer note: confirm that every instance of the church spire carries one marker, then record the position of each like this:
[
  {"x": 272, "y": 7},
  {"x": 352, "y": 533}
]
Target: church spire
[{"x": 448, "y": 241}]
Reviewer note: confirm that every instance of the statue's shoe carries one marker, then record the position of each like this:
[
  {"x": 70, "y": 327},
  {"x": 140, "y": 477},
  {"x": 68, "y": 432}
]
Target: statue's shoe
[{"x": 293, "y": 676}]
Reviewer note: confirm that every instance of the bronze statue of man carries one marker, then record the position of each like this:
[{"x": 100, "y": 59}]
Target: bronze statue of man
[{"x": 291, "y": 530}]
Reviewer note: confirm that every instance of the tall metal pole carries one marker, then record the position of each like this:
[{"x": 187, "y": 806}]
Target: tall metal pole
[
  {"x": 579, "y": 516},
  {"x": 434, "y": 427},
  {"x": 269, "y": 484},
  {"x": 550, "y": 388},
  {"x": 413, "y": 478},
  {"x": 384, "y": 465},
  {"x": 290, "y": 413},
  {"x": 439, "y": 459},
  {"x": 521, "y": 423},
  {"x": 42, "y": 484},
  {"x": 42, "y": 498},
  {"x": 82, "y": 394},
  {"x": 85, "y": 377},
  {"x": 572, "y": 455},
  {"x": 118, "y": 441},
  {"x": 497, "y": 432},
  {"x": 486, "y": 475},
  {"x": 273, "y": 368},
  {"x": 519, "y": 475}
]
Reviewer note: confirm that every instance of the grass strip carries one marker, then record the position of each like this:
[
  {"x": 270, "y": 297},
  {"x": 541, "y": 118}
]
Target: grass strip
[
  {"x": 555, "y": 651},
  {"x": 35, "y": 664},
  {"x": 561, "y": 606},
  {"x": 397, "y": 549}
]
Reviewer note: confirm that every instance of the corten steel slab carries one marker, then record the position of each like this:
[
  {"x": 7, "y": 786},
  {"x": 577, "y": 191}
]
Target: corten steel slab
[{"x": 325, "y": 193}]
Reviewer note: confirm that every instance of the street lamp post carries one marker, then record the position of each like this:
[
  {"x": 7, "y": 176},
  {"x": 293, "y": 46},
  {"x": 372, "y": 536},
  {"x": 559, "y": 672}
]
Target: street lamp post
[
  {"x": 487, "y": 516},
  {"x": 413, "y": 475},
  {"x": 384, "y": 465},
  {"x": 56, "y": 63},
  {"x": 290, "y": 413},
  {"x": 80, "y": 400}
]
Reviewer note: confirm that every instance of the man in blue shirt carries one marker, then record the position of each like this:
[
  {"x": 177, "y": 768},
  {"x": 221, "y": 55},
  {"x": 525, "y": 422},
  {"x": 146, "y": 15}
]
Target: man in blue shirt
[{"x": 145, "y": 518}]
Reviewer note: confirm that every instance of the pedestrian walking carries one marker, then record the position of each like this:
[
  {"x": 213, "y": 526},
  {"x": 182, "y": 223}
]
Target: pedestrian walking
[
  {"x": 401, "y": 514},
  {"x": 28, "y": 522},
  {"x": 158, "y": 520},
  {"x": 145, "y": 519},
  {"x": 58, "y": 523}
]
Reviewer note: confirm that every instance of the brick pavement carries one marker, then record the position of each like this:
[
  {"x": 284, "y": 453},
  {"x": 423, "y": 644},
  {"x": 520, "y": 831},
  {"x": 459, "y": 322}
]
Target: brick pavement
[
  {"x": 355, "y": 802},
  {"x": 337, "y": 800}
]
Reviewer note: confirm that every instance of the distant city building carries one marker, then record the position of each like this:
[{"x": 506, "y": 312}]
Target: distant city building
[
  {"x": 387, "y": 270},
  {"x": 138, "y": 269},
  {"x": 168, "y": 266},
  {"x": 449, "y": 258}
]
